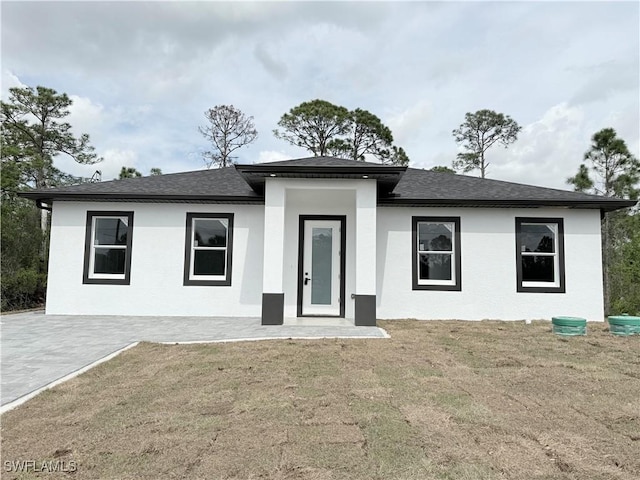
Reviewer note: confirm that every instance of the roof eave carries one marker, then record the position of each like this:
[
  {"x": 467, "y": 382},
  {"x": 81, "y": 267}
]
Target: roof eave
[
  {"x": 49, "y": 197},
  {"x": 387, "y": 176},
  {"x": 608, "y": 205}
]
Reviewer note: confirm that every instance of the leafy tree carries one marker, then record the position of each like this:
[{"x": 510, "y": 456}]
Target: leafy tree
[
  {"x": 366, "y": 135},
  {"x": 624, "y": 278},
  {"x": 129, "y": 172},
  {"x": 442, "y": 169},
  {"x": 479, "y": 132},
  {"x": 327, "y": 129},
  {"x": 611, "y": 170},
  {"x": 582, "y": 180},
  {"x": 22, "y": 264},
  {"x": 228, "y": 129},
  {"x": 33, "y": 135},
  {"x": 398, "y": 157},
  {"x": 315, "y": 126}
]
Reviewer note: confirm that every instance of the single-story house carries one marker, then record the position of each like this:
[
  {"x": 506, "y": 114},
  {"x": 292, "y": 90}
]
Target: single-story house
[{"x": 324, "y": 237}]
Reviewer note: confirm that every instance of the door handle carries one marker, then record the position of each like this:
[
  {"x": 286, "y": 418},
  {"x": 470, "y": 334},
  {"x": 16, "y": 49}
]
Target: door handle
[{"x": 306, "y": 280}]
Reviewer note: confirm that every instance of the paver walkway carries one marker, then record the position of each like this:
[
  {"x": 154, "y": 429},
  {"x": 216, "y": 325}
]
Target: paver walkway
[{"x": 37, "y": 349}]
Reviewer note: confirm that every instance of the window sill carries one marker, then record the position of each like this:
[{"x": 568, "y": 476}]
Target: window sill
[
  {"x": 106, "y": 281},
  {"x": 447, "y": 288},
  {"x": 541, "y": 289},
  {"x": 208, "y": 283}
]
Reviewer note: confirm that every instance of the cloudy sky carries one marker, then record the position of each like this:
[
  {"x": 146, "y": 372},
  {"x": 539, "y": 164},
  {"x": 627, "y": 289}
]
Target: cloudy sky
[{"x": 142, "y": 74}]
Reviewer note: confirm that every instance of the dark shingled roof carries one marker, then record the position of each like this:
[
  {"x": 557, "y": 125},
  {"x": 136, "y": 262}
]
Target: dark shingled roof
[{"x": 415, "y": 187}]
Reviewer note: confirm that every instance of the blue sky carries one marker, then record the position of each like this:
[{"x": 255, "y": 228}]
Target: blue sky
[{"x": 141, "y": 74}]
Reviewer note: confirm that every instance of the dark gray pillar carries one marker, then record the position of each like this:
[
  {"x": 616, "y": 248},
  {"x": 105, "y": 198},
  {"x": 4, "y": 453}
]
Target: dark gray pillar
[
  {"x": 272, "y": 308},
  {"x": 365, "y": 310}
]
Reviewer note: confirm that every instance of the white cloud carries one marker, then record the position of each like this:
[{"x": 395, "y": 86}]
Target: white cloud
[
  {"x": 114, "y": 160},
  {"x": 547, "y": 150},
  {"x": 84, "y": 115},
  {"x": 141, "y": 74},
  {"x": 273, "y": 65},
  {"x": 9, "y": 80},
  {"x": 406, "y": 124}
]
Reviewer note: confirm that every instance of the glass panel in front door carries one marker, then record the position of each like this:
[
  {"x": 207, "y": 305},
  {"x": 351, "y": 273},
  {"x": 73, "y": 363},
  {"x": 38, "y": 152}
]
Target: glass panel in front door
[{"x": 321, "y": 263}]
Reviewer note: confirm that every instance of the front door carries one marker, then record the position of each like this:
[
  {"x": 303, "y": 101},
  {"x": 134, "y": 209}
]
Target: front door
[{"x": 321, "y": 266}]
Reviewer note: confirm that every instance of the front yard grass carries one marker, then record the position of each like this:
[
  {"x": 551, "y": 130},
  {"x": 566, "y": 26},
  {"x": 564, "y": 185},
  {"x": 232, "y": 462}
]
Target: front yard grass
[{"x": 439, "y": 400}]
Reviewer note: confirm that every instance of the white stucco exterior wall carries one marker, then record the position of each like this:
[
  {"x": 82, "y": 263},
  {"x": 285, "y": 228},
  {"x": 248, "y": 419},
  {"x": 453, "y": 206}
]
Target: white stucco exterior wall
[
  {"x": 324, "y": 197},
  {"x": 489, "y": 267},
  {"x": 157, "y": 264},
  {"x": 274, "y": 210},
  {"x": 488, "y": 259},
  {"x": 366, "y": 217}
]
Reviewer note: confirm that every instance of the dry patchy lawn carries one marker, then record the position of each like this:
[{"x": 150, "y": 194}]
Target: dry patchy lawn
[{"x": 439, "y": 400}]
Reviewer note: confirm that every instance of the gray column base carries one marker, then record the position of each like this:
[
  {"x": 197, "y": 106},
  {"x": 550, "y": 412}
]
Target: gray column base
[
  {"x": 365, "y": 311},
  {"x": 272, "y": 308}
]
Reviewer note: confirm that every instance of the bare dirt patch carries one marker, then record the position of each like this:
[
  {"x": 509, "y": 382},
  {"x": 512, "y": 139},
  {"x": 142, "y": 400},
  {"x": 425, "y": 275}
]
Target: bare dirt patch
[{"x": 439, "y": 400}]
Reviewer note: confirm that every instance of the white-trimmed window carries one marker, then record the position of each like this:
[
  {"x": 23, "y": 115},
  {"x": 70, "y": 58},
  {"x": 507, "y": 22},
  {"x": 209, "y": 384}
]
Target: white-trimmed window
[
  {"x": 436, "y": 253},
  {"x": 540, "y": 255},
  {"x": 108, "y": 241},
  {"x": 208, "y": 249}
]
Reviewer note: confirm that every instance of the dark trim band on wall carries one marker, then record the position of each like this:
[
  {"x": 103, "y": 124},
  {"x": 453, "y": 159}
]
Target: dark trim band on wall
[
  {"x": 365, "y": 310},
  {"x": 88, "y": 250},
  {"x": 272, "y": 308},
  {"x": 561, "y": 266},
  {"x": 457, "y": 286},
  {"x": 188, "y": 248},
  {"x": 343, "y": 255}
]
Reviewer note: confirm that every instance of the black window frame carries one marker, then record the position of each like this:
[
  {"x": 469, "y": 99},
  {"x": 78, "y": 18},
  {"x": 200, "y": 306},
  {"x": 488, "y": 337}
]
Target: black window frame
[
  {"x": 88, "y": 250},
  {"x": 457, "y": 254},
  {"x": 188, "y": 248},
  {"x": 560, "y": 288}
]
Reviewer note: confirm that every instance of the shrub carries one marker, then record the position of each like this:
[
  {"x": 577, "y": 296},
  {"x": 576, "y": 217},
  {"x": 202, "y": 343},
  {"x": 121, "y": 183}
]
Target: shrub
[{"x": 26, "y": 288}]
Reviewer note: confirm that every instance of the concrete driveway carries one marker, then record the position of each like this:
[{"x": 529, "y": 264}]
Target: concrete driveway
[{"x": 37, "y": 349}]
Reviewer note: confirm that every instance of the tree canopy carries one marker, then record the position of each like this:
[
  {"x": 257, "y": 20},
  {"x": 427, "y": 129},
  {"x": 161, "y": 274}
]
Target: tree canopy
[
  {"x": 442, "y": 169},
  {"x": 479, "y": 132},
  {"x": 323, "y": 128},
  {"x": 228, "y": 129},
  {"x": 609, "y": 169},
  {"x": 130, "y": 172},
  {"x": 33, "y": 135},
  {"x": 314, "y": 126}
]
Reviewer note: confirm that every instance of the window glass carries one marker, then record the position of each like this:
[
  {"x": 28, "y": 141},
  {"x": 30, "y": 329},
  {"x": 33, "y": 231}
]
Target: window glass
[
  {"x": 537, "y": 237},
  {"x": 540, "y": 252},
  {"x": 536, "y": 268},
  {"x": 435, "y": 237},
  {"x": 208, "y": 245},
  {"x": 210, "y": 232},
  {"x": 436, "y": 253},
  {"x": 108, "y": 247},
  {"x": 111, "y": 231},
  {"x": 321, "y": 262},
  {"x": 209, "y": 262},
  {"x": 435, "y": 266},
  {"x": 109, "y": 261}
]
